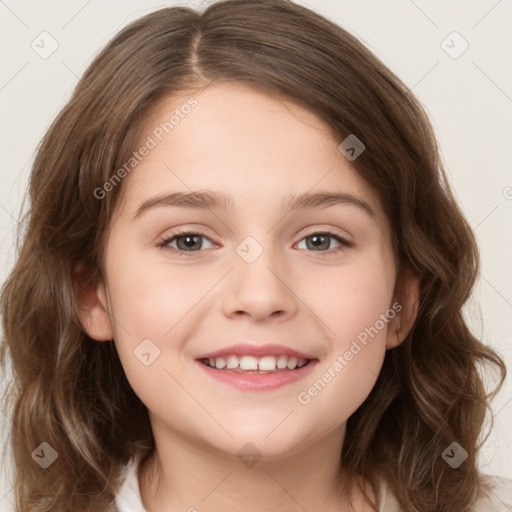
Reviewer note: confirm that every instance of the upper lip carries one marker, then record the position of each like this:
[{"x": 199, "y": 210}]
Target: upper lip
[{"x": 256, "y": 350}]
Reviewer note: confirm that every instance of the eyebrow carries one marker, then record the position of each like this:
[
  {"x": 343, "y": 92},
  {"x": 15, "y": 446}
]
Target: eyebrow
[{"x": 210, "y": 199}]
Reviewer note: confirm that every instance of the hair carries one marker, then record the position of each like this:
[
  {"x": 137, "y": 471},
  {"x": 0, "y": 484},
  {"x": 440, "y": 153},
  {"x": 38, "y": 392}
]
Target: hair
[{"x": 71, "y": 392}]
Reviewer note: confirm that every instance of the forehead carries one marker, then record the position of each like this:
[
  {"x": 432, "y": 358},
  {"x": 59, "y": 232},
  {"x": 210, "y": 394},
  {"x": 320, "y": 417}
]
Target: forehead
[{"x": 238, "y": 140}]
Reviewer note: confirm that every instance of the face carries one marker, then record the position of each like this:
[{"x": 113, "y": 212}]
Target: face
[{"x": 318, "y": 279}]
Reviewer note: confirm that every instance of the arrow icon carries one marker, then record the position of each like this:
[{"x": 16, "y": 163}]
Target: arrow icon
[
  {"x": 44, "y": 44},
  {"x": 44, "y": 455},
  {"x": 454, "y": 45},
  {"x": 454, "y": 455},
  {"x": 249, "y": 455},
  {"x": 249, "y": 254},
  {"x": 146, "y": 352},
  {"x": 352, "y": 147}
]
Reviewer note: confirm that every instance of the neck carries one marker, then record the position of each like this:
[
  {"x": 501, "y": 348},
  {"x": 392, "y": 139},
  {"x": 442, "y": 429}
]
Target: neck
[{"x": 192, "y": 477}]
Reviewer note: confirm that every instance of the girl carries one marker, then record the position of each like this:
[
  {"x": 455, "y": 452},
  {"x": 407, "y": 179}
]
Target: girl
[{"x": 241, "y": 283}]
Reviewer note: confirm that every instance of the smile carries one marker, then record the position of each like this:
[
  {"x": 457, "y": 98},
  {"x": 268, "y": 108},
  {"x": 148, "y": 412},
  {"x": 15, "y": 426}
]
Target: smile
[
  {"x": 249, "y": 373},
  {"x": 253, "y": 364}
]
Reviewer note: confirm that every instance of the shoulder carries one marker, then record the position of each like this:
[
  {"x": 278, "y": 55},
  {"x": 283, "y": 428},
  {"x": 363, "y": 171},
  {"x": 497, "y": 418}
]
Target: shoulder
[
  {"x": 128, "y": 497},
  {"x": 496, "y": 495}
]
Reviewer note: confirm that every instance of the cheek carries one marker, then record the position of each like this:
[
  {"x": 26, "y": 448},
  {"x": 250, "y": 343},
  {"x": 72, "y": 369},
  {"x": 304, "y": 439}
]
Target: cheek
[
  {"x": 151, "y": 298},
  {"x": 150, "y": 317},
  {"x": 350, "y": 298},
  {"x": 156, "y": 307},
  {"x": 355, "y": 309}
]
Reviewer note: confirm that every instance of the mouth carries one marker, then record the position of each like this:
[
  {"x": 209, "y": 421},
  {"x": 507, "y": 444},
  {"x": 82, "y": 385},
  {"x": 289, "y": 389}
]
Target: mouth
[
  {"x": 249, "y": 373},
  {"x": 255, "y": 365}
]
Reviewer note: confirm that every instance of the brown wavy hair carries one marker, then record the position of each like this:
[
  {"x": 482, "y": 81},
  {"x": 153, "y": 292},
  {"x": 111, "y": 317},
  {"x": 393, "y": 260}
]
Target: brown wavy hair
[{"x": 72, "y": 392}]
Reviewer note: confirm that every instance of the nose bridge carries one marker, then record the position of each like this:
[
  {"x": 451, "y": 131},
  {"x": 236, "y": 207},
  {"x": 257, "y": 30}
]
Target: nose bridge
[
  {"x": 258, "y": 285},
  {"x": 258, "y": 262}
]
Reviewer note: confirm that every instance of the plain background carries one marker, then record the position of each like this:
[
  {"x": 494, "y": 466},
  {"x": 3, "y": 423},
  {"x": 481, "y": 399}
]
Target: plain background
[{"x": 468, "y": 99}]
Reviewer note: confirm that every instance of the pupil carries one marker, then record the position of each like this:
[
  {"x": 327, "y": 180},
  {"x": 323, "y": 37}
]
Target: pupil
[
  {"x": 189, "y": 241},
  {"x": 317, "y": 238}
]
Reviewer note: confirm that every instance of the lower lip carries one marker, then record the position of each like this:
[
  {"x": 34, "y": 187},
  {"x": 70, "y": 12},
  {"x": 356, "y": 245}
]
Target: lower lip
[{"x": 259, "y": 381}]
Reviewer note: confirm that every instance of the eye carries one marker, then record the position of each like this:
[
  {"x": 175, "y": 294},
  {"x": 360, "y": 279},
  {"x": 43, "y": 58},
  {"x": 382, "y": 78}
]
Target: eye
[
  {"x": 185, "y": 240},
  {"x": 189, "y": 242},
  {"x": 321, "y": 240}
]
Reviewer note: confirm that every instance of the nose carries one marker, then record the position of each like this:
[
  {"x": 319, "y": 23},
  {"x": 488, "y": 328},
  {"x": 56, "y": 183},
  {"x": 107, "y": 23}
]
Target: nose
[{"x": 260, "y": 289}]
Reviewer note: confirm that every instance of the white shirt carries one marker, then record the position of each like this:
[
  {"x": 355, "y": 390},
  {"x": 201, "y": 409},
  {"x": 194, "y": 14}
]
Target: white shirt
[{"x": 128, "y": 498}]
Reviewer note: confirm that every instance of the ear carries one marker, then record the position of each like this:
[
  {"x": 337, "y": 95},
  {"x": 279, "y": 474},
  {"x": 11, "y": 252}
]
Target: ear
[
  {"x": 407, "y": 294},
  {"x": 92, "y": 305}
]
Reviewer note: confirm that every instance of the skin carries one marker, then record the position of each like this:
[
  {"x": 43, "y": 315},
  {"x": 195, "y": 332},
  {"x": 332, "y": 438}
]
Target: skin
[{"x": 259, "y": 149}]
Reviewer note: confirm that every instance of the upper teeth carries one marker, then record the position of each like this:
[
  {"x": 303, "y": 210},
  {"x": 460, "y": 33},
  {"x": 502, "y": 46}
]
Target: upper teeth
[{"x": 268, "y": 363}]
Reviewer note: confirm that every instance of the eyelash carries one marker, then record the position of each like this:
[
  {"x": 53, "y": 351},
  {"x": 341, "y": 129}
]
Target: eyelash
[{"x": 345, "y": 244}]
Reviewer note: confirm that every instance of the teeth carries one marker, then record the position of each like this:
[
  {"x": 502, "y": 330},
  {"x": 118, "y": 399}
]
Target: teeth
[
  {"x": 248, "y": 363},
  {"x": 266, "y": 363},
  {"x": 255, "y": 364},
  {"x": 220, "y": 363},
  {"x": 282, "y": 362},
  {"x": 232, "y": 362},
  {"x": 292, "y": 363}
]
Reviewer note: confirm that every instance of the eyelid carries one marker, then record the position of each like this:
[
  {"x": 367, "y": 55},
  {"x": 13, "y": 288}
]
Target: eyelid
[
  {"x": 198, "y": 231},
  {"x": 328, "y": 231},
  {"x": 344, "y": 242},
  {"x": 164, "y": 240}
]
